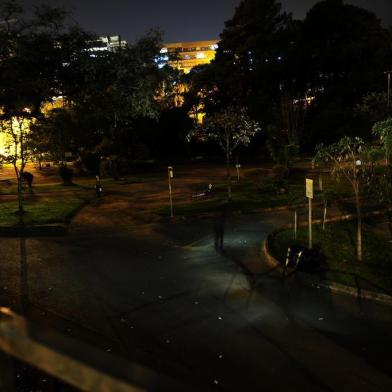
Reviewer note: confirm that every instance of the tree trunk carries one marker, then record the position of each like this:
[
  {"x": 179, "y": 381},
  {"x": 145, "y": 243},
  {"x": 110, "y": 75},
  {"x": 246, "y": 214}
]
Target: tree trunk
[
  {"x": 18, "y": 175},
  {"x": 325, "y": 214},
  {"x": 22, "y": 166},
  {"x": 359, "y": 224},
  {"x": 228, "y": 176},
  {"x": 20, "y": 196}
]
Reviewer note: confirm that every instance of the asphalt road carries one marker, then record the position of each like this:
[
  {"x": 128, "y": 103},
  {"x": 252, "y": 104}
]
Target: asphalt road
[{"x": 160, "y": 294}]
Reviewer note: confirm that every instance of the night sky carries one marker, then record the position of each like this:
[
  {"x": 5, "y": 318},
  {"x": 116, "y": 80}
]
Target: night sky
[{"x": 180, "y": 20}]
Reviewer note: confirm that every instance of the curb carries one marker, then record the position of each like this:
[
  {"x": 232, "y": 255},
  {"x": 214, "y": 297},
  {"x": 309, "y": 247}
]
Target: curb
[
  {"x": 334, "y": 287},
  {"x": 274, "y": 209},
  {"x": 207, "y": 215},
  {"x": 343, "y": 289},
  {"x": 33, "y": 231}
]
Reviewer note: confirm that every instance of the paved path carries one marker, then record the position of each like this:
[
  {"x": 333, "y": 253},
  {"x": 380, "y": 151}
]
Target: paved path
[{"x": 160, "y": 294}]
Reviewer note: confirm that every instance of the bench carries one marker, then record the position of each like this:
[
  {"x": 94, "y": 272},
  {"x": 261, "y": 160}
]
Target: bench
[{"x": 203, "y": 195}]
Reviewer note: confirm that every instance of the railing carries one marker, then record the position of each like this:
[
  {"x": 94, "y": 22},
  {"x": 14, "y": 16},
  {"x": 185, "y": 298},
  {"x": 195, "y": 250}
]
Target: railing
[{"x": 72, "y": 362}]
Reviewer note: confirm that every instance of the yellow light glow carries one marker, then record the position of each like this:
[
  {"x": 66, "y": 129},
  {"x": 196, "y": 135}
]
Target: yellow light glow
[
  {"x": 7, "y": 143},
  {"x": 4, "y": 140}
]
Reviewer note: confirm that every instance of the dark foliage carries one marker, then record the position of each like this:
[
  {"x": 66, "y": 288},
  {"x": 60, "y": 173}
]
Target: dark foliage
[{"x": 66, "y": 174}]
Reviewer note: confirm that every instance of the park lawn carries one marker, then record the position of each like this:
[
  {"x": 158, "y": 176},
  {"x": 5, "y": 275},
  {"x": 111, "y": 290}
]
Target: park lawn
[
  {"x": 47, "y": 187},
  {"x": 255, "y": 191},
  {"x": 337, "y": 244},
  {"x": 81, "y": 184},
  {"x": 40, "y": 211}
]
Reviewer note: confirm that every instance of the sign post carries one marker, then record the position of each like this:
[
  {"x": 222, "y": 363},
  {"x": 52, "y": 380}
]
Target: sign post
[
  {"x": 170, "y": 175},
  {"x": 309, "y": 195},
  {"x": 295, "y": 224}
]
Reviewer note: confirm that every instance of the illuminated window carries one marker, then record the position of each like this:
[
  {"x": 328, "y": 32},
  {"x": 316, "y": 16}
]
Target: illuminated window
[{"x": 200, "y": 55}]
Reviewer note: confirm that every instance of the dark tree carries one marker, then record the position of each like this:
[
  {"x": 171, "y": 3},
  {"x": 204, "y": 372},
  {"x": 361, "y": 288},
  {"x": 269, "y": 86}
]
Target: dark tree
[
  {"x": 113, "y": 91},
  {"x": 345, "y": 52},
  {"x": 250, "y": 62},
  {"x": 31, "y": 62}
]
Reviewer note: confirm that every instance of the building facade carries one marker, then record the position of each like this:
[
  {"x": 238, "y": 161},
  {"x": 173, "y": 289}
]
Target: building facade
[
  {"x": 109, "y": 44},
  {"x": 187, "y": 55}
]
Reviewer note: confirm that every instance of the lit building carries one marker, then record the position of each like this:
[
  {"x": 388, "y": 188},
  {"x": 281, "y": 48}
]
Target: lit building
[
  {"x": 184, "y": 56},
  {"x": 109, "y": 44},
  {"x": 187, "y": 55}
]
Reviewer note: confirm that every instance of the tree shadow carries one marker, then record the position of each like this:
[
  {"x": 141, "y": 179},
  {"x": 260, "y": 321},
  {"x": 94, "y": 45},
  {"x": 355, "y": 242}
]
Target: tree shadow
[
  {"x": 253, "y": 279},
  {"x": 24, "y": 286},
  {"x": 219, "y": 230}
]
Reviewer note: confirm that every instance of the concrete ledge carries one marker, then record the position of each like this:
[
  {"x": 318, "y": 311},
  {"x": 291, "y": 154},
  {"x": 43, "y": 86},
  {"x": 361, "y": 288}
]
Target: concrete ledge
[
  {"x": 315, "y": 281},
  {"x": 343, "y": 289}
]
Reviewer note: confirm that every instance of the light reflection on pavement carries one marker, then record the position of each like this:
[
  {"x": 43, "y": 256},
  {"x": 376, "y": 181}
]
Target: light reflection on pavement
[{"x": 162, "y": 295}]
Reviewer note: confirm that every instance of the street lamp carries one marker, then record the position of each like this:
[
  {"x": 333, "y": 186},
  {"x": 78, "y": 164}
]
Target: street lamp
[{"x": 170, "y": 174}]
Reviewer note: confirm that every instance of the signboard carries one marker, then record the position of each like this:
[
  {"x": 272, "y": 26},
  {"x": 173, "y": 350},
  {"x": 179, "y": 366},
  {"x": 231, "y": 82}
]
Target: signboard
[{"x": 309, "y": 188}]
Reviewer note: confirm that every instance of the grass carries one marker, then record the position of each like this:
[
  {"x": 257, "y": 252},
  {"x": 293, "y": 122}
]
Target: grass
[
  {"x": 337, "y": 244},
  {"x": 80, "y": 184},
  {"x": 50, "y": 202},
  {"x": 255, "y": 191},
  {"x": 39, "y": 211}
]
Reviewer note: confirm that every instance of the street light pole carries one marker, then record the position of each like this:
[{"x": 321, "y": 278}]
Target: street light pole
[{"x": 170, "y": 175}]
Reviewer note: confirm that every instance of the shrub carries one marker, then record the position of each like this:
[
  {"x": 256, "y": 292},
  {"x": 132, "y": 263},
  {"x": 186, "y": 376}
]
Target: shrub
[
  {"x": 91, "y": 162},
  {"x": 66, "y": 174},
  {"x": 28, "y": 177}
]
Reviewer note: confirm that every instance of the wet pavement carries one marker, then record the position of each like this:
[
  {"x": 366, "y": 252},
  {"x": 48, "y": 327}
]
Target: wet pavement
[{"x": 159, "y": 293}]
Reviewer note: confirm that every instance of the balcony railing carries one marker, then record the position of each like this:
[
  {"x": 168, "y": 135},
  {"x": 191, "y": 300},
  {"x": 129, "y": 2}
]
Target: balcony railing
[{"x": 71, "y": 362}]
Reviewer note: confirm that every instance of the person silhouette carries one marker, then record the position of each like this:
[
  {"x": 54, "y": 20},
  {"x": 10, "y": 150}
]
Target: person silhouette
[{"x": 219, "y": 230}]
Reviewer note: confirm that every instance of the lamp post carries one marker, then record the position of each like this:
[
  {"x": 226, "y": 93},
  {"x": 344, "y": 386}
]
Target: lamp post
[{"x": 170, "y": 175}]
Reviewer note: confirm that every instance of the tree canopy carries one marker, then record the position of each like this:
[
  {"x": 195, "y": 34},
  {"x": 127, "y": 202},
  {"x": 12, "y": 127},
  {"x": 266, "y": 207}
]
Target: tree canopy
[{"x": 304, "y": 78}]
